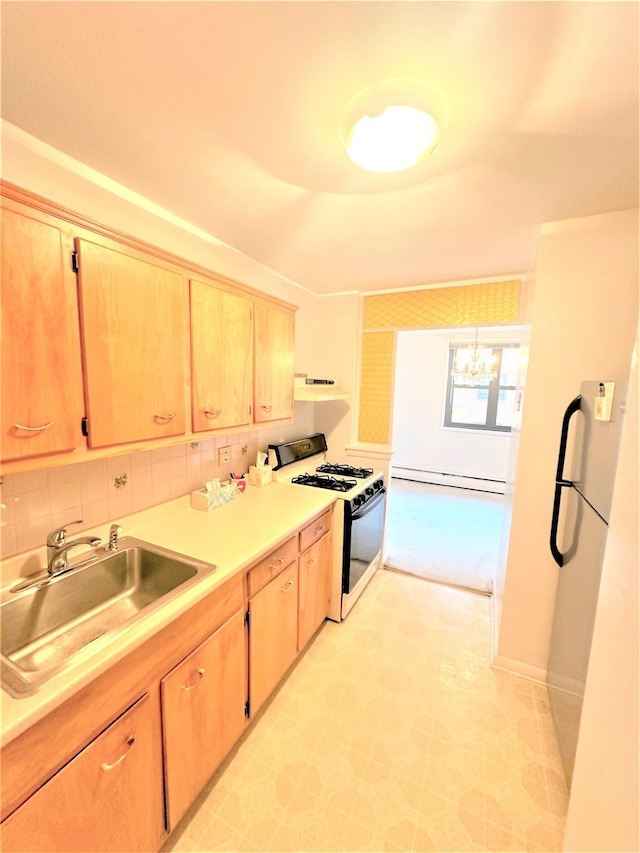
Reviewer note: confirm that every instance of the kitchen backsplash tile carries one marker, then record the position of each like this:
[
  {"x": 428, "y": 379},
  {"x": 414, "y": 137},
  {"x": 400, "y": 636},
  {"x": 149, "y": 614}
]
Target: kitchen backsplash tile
[{"x": 33, "y": 503}]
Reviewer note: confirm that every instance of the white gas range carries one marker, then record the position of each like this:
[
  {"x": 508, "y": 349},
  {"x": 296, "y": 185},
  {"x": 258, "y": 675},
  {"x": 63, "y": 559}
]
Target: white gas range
[{"x": 358, "y": 517}]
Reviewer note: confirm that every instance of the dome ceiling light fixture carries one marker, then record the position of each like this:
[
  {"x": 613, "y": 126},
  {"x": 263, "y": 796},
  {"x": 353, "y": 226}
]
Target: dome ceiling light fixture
[
  {"x": 393, "y": 125},
  {"x": 394, "y": 140}
]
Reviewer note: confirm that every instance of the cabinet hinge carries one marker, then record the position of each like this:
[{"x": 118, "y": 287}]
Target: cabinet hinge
[
  {"x": 247, "y": 618},
  {"x": 84, "y": 425},
  {"x": 247, "y": 708},
  {"x": 75, "y": 263}
]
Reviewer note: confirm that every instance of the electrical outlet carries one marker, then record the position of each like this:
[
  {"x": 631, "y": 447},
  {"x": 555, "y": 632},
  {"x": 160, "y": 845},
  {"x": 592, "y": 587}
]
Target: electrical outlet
[{"x": 224, "y": 455}]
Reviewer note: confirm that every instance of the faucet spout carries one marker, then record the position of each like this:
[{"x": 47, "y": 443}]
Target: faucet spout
[{"x": 57, "y": 562}]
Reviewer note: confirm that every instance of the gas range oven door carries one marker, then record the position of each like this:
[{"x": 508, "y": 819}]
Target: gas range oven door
[{"x": 362, "y": 547}]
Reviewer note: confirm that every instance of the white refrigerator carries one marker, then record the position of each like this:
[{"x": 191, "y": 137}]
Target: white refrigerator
[{"x": 589, "y": 442}]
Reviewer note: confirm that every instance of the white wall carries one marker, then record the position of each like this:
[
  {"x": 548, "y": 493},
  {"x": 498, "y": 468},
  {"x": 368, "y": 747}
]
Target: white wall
[
  {"x": 584, "y": 316},
  {"x": 605, "y": 792},
  {"x": 420, "y": 441}
]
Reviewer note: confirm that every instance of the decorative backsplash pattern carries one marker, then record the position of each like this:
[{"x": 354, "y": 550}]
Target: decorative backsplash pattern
[{"x": 34, "y": 503}]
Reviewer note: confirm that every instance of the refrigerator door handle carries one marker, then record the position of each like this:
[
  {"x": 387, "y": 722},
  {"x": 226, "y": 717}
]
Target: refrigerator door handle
[{"x": 561, "y": 483}]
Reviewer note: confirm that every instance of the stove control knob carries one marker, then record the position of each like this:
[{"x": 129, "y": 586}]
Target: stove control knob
[
  {"x": 358, "y": 500},
  {"x": 369, "y": 490}
]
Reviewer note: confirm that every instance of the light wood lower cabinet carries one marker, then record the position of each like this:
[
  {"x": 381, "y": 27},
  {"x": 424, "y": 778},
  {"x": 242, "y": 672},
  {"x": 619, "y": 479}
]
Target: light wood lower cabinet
[
  {"x": 314, "y": 572},
  {"x": 273, "y": 634},
  {"x": 108, "y": 798},
  {"x": 203, "y": 713}
]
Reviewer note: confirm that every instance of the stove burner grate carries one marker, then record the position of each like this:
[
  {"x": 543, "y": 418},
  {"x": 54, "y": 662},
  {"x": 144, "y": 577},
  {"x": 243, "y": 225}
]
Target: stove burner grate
[
  {"x": 344, "y": 470},
  {"x": 319, "y": 481}
]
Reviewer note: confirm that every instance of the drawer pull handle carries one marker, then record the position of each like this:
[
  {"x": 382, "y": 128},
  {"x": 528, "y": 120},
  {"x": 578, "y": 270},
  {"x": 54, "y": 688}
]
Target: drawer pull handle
[
  {"x": 130, "y": 743},
  {"x": 212, "y": 413},
  {"x": 266, "y": 408},
  {"x": 187, "y": 687},
  {"x": 279, "y": 560},
  {"x": 34, "y": 429},
  {"x": 168, "y": 417},
  {"x": 319, "y": 528},
  {"x": 311, "y": 563},
  {"x": 287, "y": 588}
]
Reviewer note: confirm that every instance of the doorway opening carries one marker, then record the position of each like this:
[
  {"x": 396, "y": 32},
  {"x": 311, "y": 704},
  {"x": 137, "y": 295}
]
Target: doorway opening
[{"x": 451, "y": 442}]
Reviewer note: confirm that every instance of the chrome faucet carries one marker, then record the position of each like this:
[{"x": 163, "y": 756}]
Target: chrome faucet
[{"x": 58, "y": 548}]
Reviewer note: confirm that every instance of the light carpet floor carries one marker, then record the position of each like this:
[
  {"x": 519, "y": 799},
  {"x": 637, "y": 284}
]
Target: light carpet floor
[
  {"x": 392, "y": 733},
  {"x": 443, "y": 533}
]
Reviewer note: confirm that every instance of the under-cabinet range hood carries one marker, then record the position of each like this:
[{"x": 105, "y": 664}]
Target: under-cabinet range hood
[{"x": 310, "y": 390}]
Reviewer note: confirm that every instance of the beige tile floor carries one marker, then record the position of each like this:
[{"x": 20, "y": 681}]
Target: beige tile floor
[{"x": 392, "y": 733}]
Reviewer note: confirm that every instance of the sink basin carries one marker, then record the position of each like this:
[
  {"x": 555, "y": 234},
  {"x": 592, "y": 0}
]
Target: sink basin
[{"x": 48, "y": 628}]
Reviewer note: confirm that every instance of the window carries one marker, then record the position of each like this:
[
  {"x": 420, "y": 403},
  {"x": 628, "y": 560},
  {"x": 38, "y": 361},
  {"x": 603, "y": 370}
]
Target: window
[{"x": 490, "y": 404}]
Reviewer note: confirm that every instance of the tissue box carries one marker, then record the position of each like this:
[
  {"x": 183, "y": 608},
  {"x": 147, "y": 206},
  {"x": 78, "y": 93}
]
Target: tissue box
[
  {"x": 206, "y": 501},
  {"x": 259, "y": 476}
]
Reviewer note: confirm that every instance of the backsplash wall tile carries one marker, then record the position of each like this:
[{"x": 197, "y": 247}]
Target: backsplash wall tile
[{"x": 34, "y": 503}]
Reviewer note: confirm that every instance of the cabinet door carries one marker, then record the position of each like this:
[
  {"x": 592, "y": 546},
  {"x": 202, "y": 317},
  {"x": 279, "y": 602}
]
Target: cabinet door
[
  {"x": 274, "y": 353},
  {"x": 42, "y": 402},
  {"x": 221, "y": 350},
  {"x": 108, "y": 798},
  {"x": 314, "y": 567},
  {"x": 203, "y": 702},
  {"x": 134, "y": 315},
  {"x": 273, "y": 629}
]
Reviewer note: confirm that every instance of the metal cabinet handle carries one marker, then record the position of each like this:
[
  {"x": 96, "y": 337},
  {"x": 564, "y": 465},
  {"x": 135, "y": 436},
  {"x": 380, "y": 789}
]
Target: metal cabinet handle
[
  {"x": 311, "y": 563},
  {"x": 130, "y": 743},
  {"x": 266, "y": 408},
  {"x": 279, "y": 560},
  {"x": 186, "y": 687},
  {"x": 34, "y": 429},
  {"x": 212, "y": 413},
  {"x": 288, "y": 587},
  {"x": 319, "y": 529},
  {"x": 168, "y": 417}
]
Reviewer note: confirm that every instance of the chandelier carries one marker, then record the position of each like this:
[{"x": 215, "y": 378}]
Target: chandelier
[{"x": 474, "y": 364}]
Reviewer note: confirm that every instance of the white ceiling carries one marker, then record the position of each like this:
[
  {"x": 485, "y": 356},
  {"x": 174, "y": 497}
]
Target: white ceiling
[{"x": 228, "y": 114}]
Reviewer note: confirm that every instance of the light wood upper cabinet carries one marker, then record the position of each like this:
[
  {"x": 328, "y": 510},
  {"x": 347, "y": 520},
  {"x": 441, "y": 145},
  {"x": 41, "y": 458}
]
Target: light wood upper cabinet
[
  {"x": 274, "y": 356},
  {"x": 220, "y": 357},
  {"x": 42, "y": 401},
  {"x": 273, "y": 629},
  {"x": 203, "y": 701},
  {"x": 134, "y": 321},
  {"x": 109, "y": 798}
]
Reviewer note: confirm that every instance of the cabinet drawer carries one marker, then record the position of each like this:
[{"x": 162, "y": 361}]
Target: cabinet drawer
[
  {"x": 312, "y": 532},
  {"x": 270, "y": 566},
  {"x": 108, "y": 798}
]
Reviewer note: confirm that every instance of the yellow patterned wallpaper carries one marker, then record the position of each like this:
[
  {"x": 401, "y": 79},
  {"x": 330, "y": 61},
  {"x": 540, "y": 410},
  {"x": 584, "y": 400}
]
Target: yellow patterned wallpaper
[
  {"x": 442, "y": 307},
  {"x": 376, "y": 386}
]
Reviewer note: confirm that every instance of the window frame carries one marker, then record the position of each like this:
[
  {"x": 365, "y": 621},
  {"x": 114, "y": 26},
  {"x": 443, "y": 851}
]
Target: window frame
[{"x": 493, "y": 388}]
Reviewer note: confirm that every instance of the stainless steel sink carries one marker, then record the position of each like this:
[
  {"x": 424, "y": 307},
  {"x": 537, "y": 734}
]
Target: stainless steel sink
[{"x": 48, "y": 628}]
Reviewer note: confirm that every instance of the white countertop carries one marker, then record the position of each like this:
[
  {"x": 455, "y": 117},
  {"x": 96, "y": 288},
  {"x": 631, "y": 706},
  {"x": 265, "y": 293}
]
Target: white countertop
[{"x": 232, "y": 537}]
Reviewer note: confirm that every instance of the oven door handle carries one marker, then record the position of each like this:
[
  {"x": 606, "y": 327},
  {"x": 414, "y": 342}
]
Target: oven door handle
[{"x": 370, "y": 504}]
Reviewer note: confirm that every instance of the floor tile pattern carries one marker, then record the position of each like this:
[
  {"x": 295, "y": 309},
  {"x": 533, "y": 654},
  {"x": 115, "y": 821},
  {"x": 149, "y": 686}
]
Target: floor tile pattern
[{"x": 392, "y": 733}]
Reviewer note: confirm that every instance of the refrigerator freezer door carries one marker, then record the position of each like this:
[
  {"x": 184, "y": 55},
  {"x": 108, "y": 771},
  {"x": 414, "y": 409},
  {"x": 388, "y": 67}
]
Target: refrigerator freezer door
[
  {"x": 573, "y": 619},
  {"x": 595, "y": 451}
]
